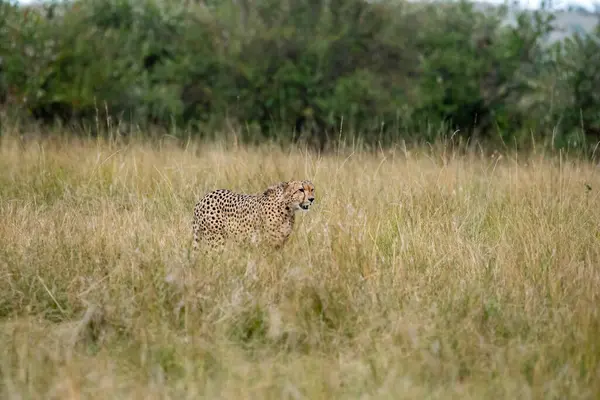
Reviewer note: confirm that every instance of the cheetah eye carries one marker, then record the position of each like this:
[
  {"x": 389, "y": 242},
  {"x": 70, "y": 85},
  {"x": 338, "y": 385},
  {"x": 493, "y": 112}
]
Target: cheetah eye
[{"x": 301, "y": 189}]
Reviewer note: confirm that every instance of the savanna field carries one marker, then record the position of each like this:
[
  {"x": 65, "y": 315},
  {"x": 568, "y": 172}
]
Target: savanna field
[{"x": 421, "y": 273}]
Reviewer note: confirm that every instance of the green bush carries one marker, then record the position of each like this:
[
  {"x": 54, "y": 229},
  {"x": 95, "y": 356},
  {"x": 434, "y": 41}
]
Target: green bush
[
  {"x": 474, "y": 69},
  {"x": 578, "y": 64},
  {"x": 381, "y": 70}
]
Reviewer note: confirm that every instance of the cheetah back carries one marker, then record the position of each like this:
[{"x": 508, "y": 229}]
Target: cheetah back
[{"x": 222, "y": 213}]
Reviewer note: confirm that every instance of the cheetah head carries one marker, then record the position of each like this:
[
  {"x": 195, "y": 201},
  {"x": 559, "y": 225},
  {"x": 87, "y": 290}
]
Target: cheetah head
[
  {"x": 299, "y": 195},
  {"x": 296, "y": 195}
]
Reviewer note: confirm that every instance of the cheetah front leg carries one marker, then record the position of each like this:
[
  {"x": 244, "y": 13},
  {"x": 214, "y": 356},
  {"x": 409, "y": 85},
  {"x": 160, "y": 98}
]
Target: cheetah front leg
[{"x": 277, "y": 239}]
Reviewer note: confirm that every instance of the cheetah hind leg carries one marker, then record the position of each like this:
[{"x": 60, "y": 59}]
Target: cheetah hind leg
[
  {"x": 201, "y": 237},
  {"x": 207, "y": 243},
  {"x": 196, "y": 236}
]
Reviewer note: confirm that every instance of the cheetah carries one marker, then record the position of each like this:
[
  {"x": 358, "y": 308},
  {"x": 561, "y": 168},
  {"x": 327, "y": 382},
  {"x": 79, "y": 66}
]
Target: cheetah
[{"x": 267, "y": 217}]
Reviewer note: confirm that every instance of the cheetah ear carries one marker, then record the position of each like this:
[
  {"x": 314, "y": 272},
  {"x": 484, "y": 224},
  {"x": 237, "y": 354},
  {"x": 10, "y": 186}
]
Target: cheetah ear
[
  {"x": 289, "y": 186},
  {"x": 271, "y": 190}
]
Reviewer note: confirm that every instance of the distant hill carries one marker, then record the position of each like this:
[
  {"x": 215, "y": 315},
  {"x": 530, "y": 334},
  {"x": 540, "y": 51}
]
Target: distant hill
[{"x": 569, "y": 20}]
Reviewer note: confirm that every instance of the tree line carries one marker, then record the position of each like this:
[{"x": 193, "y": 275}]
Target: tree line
[{"x": 314, "y": 69}]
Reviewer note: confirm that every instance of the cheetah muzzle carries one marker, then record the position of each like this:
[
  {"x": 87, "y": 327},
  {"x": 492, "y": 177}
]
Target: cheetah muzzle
[{"x": 223, "y": 215}]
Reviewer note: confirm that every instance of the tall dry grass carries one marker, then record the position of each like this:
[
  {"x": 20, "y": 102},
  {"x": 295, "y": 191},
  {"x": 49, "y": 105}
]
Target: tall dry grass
[{"x": 417, "y": 274}]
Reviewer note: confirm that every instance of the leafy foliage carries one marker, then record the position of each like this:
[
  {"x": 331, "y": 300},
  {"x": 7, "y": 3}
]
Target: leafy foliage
[{"x": 381, "y": 69}]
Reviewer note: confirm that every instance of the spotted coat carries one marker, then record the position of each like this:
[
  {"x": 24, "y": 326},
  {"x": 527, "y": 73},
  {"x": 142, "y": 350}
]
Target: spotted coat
[{"x": 223, "y": 215}]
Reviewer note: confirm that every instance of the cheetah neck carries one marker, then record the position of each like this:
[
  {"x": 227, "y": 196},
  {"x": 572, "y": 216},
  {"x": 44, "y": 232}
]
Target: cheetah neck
[{"x": 277, "y": 203}]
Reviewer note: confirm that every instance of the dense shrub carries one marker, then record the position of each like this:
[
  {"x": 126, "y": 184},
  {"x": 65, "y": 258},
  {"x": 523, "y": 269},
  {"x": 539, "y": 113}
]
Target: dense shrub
[
  {"x": 382, "y": 69},
  {"x": 579, "y": 69}
]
